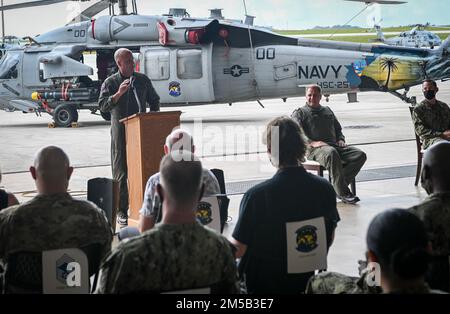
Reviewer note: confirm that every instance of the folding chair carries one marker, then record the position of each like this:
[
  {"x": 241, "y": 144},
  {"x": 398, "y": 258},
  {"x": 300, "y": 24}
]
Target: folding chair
[
  {"x": 24, "y": 272},
  {"x": 224, "y": 201},
  {"x": 420, "y": 151}
]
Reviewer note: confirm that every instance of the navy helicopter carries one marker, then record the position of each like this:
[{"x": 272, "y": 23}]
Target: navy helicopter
[
  {"x": 417, "y": 37},
  {"x": 194, "y": 61}
]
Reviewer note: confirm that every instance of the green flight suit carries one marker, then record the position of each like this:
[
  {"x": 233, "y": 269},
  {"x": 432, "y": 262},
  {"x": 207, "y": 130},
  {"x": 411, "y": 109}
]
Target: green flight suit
[
  {"x": 343, "y": 163},
  {"x": 125, "y": 107}
]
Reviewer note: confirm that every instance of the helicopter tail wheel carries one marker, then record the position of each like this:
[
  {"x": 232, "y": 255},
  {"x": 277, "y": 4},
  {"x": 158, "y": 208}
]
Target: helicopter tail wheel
[
  {"x": 106, "y": 115},
  {"x": 65, "y": 115}
]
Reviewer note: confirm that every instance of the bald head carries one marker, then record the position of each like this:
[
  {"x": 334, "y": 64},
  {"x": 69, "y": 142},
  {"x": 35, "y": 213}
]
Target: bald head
[
  {"x": 179, "y": 140},
  {"x": 51, "y": 170},
  {"x": 436, "y": 167}
]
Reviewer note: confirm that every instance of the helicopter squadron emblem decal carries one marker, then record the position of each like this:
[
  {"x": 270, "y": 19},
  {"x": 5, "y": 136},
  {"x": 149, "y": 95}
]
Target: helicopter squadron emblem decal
[
  {"x": 236, "y": 70},
  {"x": 174, "y": 89}
]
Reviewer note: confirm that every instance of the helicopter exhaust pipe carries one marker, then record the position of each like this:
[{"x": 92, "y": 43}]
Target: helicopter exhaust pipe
[{"x": 123, "y": 7}]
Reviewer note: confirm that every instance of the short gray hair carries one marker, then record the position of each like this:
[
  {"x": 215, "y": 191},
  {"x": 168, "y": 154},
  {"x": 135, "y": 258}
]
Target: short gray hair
[
  {"x": 181, "y": 139},
  {"x": 120, "y": 52}
]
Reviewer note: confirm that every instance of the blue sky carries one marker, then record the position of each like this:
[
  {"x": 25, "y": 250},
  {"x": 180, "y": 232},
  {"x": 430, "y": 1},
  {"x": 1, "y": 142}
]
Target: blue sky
[{"x": 282, "y": 14}]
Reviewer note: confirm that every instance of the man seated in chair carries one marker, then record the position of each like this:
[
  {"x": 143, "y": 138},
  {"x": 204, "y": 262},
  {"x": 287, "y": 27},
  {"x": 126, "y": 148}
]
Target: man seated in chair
[
  {"x": 178, "y": 140},
  {"x": 435, "y": 212},
  {"x": 291, "y": 195},
  {"x": 52, "y": 219},
  {"x": 431, "y": 117},
  {"x": 178, "y": 253},
  {"x": 326, "y": 144}
]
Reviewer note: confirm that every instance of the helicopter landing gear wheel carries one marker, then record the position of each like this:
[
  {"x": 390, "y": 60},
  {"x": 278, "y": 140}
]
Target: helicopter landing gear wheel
[
  {"x": 106, "y": 115},
  {"x": 65, "y": 115}
]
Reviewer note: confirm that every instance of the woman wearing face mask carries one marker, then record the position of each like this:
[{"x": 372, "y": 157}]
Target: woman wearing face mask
[
  {"x": 6, "y": 199},
  {"x": 431, "y": 117}
]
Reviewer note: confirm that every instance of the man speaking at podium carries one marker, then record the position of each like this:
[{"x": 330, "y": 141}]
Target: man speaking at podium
[{"x": 124, "y": 94}]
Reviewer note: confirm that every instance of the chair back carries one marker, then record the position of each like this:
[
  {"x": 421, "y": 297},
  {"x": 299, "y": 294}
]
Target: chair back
[
  {"x": 418, "y": 140},
  {"x": 224, "y": 201},
  {"x": 32, "y": 272}
]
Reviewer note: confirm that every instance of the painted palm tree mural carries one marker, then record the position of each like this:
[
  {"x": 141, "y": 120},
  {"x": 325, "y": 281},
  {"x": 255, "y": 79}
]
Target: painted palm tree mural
[{"x": 389, "y": 64}]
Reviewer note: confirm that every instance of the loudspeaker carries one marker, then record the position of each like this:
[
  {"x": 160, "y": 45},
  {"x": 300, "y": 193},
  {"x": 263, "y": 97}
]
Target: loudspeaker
[{"x": 104, "y": 193}]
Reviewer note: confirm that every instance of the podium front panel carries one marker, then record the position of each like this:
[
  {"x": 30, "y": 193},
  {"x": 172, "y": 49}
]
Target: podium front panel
[{"x": 146, "y": 135}]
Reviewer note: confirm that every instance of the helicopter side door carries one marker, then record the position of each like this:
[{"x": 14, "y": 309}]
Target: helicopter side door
[{"x": 179, "y": 75}]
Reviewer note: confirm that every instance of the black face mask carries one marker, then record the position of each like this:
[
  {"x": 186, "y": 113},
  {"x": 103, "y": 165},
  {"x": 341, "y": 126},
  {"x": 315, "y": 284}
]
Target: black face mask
[{"x": 429, "y": 94}]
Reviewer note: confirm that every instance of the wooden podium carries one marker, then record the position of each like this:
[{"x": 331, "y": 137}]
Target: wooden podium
[{"x": 145, "y": 137}]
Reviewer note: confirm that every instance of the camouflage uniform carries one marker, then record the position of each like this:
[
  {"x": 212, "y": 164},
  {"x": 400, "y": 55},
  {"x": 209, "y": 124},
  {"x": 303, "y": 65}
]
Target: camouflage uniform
[
  {"x": 435, "y": 213},
  {"x": 343, "y": 163},
  {"x": 430, "y": 121},
  {"x": 125, "y": 107},
  {"x": 170, "y": 257},
  {"x": 49, "y": 222},
  {"x": 211, "y": 188},
  {"x": 335, "y": 283}
]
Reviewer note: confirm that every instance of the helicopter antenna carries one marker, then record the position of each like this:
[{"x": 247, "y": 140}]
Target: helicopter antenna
[
  {"x": 255, "y": 83},
  {"x": 354, "y": 17}
]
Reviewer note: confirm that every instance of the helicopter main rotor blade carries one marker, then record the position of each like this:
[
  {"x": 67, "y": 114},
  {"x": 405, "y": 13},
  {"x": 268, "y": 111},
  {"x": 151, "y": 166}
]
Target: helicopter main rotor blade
[
  {"x": 91, "y": 11},
  {"x": 36, "y": 3},
  {"x": 378, "y": 1}
]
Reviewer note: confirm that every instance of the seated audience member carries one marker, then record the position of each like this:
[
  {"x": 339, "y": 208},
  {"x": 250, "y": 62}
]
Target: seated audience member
[
  {"x": 398, "y": 242},
  {"x": 291, "y": 195},
  {"x": 178, "y": 253},
  {"x": 52, "y": 219},
  {"x": 431, "y": 117},
  {"x": 178, "y": 140},
  {"x": 6, "y": 199},
  {"x": 434, "y": 211}
]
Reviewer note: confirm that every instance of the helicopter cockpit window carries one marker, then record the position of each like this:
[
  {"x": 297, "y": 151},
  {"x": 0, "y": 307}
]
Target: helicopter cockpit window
[
  {"x": 8, "y": 66},
  {"x": 157, "y": 65},
  {"x": 189, "y": 63}
]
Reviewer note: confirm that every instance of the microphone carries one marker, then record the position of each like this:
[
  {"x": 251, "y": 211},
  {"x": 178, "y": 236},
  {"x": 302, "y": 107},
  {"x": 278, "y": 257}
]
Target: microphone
[{"x": 132, "y": 78}]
